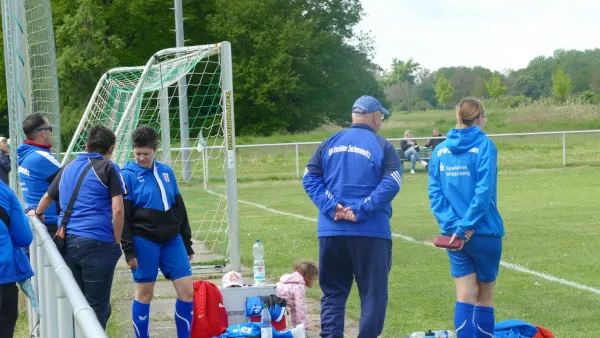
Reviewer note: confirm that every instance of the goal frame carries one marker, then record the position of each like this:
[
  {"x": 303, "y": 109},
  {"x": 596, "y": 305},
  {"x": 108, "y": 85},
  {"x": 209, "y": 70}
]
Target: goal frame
[{"x": 228, "y": 124}]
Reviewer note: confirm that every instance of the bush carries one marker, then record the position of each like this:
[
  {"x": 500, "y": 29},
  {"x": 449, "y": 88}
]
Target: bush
[{"x": 509, "y": 102}]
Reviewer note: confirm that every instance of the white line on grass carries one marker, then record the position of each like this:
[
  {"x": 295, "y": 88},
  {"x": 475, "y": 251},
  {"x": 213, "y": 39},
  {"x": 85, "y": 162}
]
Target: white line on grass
[{"x": 507, "y": 265}]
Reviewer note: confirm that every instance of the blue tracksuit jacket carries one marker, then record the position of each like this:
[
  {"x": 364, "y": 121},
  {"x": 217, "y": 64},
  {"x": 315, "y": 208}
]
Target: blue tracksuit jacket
[
  {"x": 463, "y": 177},
  {"x": 37, "y": 169},
  {"x": 14, "y": 265},
  {"x": 356, "y": 168},
  {"x": 154, "y": 208}
]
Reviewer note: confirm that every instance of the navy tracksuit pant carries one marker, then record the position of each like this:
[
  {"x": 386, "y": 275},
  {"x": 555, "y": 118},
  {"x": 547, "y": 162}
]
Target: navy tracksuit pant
[{"x": 343, "y": 258}]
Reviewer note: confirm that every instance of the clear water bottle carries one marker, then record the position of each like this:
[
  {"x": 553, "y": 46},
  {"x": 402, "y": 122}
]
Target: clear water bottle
[
  {"x": 259, "y": 264},
  {"x": 444, "y": 333},
  {"x": 265, "y": 323}
]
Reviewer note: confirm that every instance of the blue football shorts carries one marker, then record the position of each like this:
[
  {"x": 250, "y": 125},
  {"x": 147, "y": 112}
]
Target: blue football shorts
[
  {"x": 170, "y": 257},
  {"x": 480, "y": 255}
]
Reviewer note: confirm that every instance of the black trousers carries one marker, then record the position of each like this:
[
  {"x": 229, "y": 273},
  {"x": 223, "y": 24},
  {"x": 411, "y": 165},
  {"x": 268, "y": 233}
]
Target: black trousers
[{"x": 9, "y": 309}]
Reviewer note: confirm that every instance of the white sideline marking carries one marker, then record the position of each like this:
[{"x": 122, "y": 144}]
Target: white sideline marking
[{"x": 507, "y": 265}]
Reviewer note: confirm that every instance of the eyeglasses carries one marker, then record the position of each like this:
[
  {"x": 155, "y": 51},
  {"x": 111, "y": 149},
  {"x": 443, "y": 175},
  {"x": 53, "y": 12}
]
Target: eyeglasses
[{"x": 45, "y": 128}]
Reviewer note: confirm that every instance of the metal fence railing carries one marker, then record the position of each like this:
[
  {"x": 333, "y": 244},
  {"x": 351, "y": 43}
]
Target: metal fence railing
[{"x": 60, "y": 299}]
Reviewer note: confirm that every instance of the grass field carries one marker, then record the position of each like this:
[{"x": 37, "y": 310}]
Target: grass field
[{"x": 550, "y": 214}]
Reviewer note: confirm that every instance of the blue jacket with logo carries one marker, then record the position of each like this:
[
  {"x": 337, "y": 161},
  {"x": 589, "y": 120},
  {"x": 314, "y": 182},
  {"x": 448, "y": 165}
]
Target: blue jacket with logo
[
  {"x": 37, "y": 169},
  {"x": 14, "y": 265},
  {"x": 92, "y": 212},
  {"x": 154, "y": 208},
  {"x": 356, "y": 168},
  {"x": 463, "y": 175}
]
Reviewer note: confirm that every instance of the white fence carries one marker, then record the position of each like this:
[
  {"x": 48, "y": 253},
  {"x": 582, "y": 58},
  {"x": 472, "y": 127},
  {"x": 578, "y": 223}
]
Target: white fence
[
  {"x": 297, "y": 145},
  {"x": 60, "y": 299}
]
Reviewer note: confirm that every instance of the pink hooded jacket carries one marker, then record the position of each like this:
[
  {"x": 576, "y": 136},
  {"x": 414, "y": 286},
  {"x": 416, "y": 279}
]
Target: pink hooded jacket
[{"x": 293, "y": 288}]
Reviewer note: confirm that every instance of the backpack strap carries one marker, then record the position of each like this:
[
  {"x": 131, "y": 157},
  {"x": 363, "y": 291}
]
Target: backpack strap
[
  {"x": 4, "y": 217},
  {"x": 69, "y": 210}
]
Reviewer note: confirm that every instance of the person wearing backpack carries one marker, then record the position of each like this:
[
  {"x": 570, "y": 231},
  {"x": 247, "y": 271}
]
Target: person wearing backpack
[
  {"x": 15, "y": 233},
  {"x": 156, "y": 234}
]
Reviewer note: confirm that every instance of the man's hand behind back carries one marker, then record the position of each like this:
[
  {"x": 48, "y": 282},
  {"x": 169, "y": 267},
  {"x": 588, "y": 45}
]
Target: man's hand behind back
[{"x": 344, "y": 213}]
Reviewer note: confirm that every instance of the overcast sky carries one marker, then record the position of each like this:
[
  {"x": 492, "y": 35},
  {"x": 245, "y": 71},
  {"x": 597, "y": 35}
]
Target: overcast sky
[{"x": 497, "y": 34}]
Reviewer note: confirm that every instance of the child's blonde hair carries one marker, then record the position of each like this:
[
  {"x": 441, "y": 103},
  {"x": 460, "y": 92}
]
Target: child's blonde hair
[{"x": 307, "y": 269}]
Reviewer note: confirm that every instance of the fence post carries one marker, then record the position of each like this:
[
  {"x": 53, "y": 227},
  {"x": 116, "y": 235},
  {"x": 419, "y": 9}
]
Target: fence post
[
  {"x": 41, "y": 286},
  {"x": 34, "y": 328},
  {"x": 65, "y": 320},
  {"x": 297, "y": 162},
  {"x": 564, "y": 146},
  {"x": 50, "y": 295}
]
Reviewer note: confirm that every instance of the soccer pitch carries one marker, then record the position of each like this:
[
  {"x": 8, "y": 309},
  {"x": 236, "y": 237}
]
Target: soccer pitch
[{"x": 550, "y": 217}]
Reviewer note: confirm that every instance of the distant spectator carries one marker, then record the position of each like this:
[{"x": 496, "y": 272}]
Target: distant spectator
[
  {"x": 411, "y": 151},
  {"x": 37, "y": 166},
  {"x": 433, "y": 142},
  {"x": 15, "y": 234},
  {"x": 93, "y": 240},
  {"x": 4, "y": 160}
]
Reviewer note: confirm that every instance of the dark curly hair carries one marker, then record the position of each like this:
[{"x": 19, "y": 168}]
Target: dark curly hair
[
  {"x": 100, "y": 139},
  {"x": 145, "y": 136}
]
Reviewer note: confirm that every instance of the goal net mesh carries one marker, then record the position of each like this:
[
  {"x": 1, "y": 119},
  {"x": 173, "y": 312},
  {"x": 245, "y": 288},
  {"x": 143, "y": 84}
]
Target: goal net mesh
[{"x": 175, "y": 82}]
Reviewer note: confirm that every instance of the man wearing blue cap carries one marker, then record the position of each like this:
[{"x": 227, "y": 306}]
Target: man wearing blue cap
[{"x": 352, "y": 178}]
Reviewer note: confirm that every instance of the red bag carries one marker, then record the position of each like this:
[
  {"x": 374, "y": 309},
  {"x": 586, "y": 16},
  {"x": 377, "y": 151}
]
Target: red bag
[
  {"x": 210, "y": 316},
  {"x": 444, "y": 242}
]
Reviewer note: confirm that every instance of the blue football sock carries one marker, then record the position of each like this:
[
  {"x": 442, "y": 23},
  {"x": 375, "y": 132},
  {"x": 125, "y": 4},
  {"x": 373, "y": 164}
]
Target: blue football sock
[
  {"x": 140, "y": 314},
  {"x": 463, "y": 320},
  {"x": 484, "y": 321},
  {"x": 183, "y": 318}
]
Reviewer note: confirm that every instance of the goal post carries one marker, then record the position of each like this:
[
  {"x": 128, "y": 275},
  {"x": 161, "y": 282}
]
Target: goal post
[{"x": 204, "y": 166}]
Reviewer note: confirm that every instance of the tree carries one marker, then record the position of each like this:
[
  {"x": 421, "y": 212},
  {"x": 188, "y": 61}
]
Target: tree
[
  {"x": 443, "y": 90},
  {"x": 84, "y": 53},
  {"x": 495, "y": 87},
  {"x": 561, "y": 84},
  {"x": 293, "y": 67},
  {"x": 404, "y": 72}
]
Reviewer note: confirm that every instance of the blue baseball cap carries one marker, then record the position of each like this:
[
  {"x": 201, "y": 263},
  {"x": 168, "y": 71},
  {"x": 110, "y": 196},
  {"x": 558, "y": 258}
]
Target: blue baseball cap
[{"x": 367, "y": 105}]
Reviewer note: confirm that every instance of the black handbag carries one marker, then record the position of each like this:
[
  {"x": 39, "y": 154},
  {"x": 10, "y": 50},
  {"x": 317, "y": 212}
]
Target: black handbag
[{"x": 60, "y": 237}]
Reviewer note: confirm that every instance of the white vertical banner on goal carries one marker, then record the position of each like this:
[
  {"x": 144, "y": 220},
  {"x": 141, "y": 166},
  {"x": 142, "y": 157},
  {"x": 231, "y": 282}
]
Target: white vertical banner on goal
[{"x": 228, "y": 130}]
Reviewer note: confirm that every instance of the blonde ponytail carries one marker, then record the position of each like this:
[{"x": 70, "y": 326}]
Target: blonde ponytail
[{"x": 467, "y": 111}]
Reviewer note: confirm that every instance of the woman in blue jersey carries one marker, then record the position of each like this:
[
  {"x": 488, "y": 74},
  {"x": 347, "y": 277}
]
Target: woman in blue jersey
[
  {"x": 462, "y": 193},
  {"x": 156, "y": 233}
]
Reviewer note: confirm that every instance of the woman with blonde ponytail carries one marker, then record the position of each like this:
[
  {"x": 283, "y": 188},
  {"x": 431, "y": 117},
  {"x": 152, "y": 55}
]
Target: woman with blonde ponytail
[{"x": 462, "y": 193}]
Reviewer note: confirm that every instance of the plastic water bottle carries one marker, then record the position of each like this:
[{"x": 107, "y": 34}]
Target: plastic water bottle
[
  {"x": 431, "y": 334},
  {"x": 259, "y": 264},
  {"x": 444, "y": 333},
  {"x": 418, "y": 334},
  {"x": 265, "y": 323}
]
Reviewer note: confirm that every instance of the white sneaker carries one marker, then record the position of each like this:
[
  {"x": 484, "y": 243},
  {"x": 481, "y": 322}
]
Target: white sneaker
[
  {"x": 423, "y": 163},
  {"x": 412, "y": 171}
]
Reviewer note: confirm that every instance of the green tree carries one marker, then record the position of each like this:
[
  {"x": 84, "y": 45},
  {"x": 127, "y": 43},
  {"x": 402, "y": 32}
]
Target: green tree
[
  {"x": 561, "y": 84},
  {"x": 443, "y": 90},
  {"x": 84, "y": 53},
  {"x": 293, "y": 68},
  {"x": 404, "y": 72},
  {"x": 495, "y": 87}
]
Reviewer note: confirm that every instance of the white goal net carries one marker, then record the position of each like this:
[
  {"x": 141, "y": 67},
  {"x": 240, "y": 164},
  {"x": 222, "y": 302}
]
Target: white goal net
[{"x": 186, "y": 94}]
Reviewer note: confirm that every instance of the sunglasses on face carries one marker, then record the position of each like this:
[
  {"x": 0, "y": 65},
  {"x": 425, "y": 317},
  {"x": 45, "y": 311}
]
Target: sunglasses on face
[{"x": 45, "y": 128}]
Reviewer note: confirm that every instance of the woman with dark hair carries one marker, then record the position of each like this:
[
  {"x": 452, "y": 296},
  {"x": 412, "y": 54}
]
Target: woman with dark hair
[
  {"x": 462, "y": 193},
  {"x": 93, "y": 225},
  {"x": 156, "y": 234}
]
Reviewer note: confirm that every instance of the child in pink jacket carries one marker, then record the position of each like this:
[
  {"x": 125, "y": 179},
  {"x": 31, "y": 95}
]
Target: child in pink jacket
[{"x": 293, "y": 288}]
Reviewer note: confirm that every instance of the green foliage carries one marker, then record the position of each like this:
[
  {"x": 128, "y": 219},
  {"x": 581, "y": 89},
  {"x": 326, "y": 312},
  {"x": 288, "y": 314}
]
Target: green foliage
[
  {"x": 84, "y": 52},
  {"x": 443, "y": 90},
  {"x": 294, "y": 71},
  {"x": 495, "y": 87},
  {"x": 561, "y": 85}
]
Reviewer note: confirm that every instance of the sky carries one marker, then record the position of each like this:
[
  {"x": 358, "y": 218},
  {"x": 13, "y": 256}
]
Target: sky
[{"x": 496, "y": 34}]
